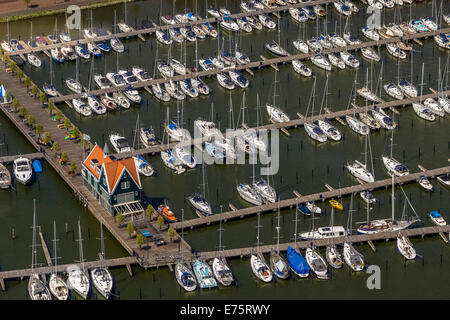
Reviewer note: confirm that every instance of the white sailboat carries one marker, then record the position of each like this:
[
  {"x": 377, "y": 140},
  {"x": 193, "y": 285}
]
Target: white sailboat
[
  {"x": 352, "y": 257},
  {"x": 56, "y": 284},
  {"x": 275, "y": 114},
  {"x": 278, "y": 263},
  {"x": 332, "y": 253},
  {"x": 77, "y": 278},
  {"x": 316, "y": 263},
  {"x": 313, "y": 130},
  {"x": 257, "y": 262},
  {"x": 405, "y": 247},
  {"x": 220, "y": 267},
  {"x": 101, "y": 277}
]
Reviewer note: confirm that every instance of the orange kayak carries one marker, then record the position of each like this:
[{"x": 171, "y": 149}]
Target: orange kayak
[
  {"x": 166, "y": 213},
  {"x": 336, "y": 204}
]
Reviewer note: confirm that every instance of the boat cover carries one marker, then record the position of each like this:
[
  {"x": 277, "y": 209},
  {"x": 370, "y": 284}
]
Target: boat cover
[
  {"x": 305, "y": 210},
  {"x": 435, "y": 214},
  {"x": 37, "y": 166},
  {"x": 297, "y": 262}
]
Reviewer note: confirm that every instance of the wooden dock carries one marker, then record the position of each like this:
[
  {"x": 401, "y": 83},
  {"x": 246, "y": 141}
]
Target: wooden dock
[
  {"x": 316, "y": 197},
  {"x": 251, "y": 65},
  {"x": 29, "y": 156}
]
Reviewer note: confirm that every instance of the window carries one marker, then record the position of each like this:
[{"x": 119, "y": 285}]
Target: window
[{"x": 125, "y": 185}]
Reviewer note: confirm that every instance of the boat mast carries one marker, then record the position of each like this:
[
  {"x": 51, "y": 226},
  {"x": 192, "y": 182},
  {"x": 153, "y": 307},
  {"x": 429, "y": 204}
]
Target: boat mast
[
  {"x": 421, "y": 84},
  {"x": 80, "y": 246},
  {"x": 33, "y": 243},
  {"x": 295, "y": 228},
  {"x": 257, "y": 232},
  {"x": 392, "y": 218},
  {"x": 55, "y": 257},
  {"x": 278, "y": 228}
]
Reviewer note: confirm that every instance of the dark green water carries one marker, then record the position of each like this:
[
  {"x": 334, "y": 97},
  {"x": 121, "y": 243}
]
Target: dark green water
[{"x": 304, "y": 165}]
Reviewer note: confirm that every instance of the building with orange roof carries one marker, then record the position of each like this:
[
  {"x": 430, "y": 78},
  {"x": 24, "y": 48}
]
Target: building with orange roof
[{"x": 114, "y": 182}]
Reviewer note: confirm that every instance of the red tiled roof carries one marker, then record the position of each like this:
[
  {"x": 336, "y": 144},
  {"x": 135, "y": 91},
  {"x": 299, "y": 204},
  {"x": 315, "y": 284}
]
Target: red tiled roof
[{"x": 97, "y": 154}]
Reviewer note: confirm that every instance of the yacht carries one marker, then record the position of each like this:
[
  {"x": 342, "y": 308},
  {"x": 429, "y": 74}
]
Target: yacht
[
  {"x": 68, "y": 53},
  {"x": 301, "y": 68},
  {"x": 78, "y": 281},
  {"x": 266, "y": 21},
  {"x": 58, "y": 287},
  {"x": 418, "y": 25},
  {"x": 314, "y": 45},
  {"x": 333, "y": 257},
  {"x": 222, "y": 271},
  {"x": 188, "y": 89},
  {"x": 174, "y": 91},
  {"x": 433, "y": 105},
  {"x": 165, "y": 69},
  {"x": 143, "y": 166},
  {"x": 444, "y": 102},
  {"x": 200, "y": 86},
  {"x": 425, "y": 183},
  {"x": 172, "y": 163},
  {"x": 117, "y": 45},
  {"x": 360, "y": 171},
  {"x": 423, "y": 112},
  {"x": 369, "y": 95},
  {"x": 321, "y": 62},
  {"x": 95, "y": 105},
  {"x": 128, "y": 76},
  {"x": 121, "y": 100},
  {"x": 34, "y": 60},
  {"x": 5, "y": 177},
  {"x": 188, "y": 34},
  {"x": 444, "y": 179},
  {"x": 248, "y": 193},
  {"x": 383, "y": 119},
  {"x": 185, "y": 277},
  {"x": 175, "y": 35},
  {"x": 315, "y": 132},
  {"x": 336, "y": 60},
  {"x": 301, "y": 46},
  {"x": 393, "y": 90},
  {"x": 244, "y": 25},
  {"x": 353, "y": 258},
  {"x": 37, "y": 289},
  {"x": 265, "y": 191},
  {"x": 198, "y": 31},
  {"x": 405, "y": 247},
  {"x": 242, "y": 58},
  {"x": 342, "y": 8},
  {"x": 209, "y": 29},
  {"x": 393, "y": 166},
  {"x": 102, "y": 280},
  {"x": 368, "y": 197},
  {"x": 276, "y": 115},
  {"x": 229, "y": 24},
  {"x": 215, "y": 152},
  {"x": 351, "y": 40},
  {"x": 132, "y": 94},
  {"x": 260, "y": 268},
  {"x": 116, "y": 79},
  {"x": 81, "y": 107},
  {"x": 357, "y": 126},
  {"x": 200, "y": 204},
  {"x": 207, "y": 64},
  {"x": 429, "y": 23},
  {"x": 74, "y": 85},
  {"x": 184, "y": 156},
  {"x": 324, "y": 233},
  {"x": 298, "y": 14},
  {"x": 297, "y": 263},
  {"x": 207, "y": 128},
  {"x": 160, "y": 93},
  {"x": 141, "y": 74},
  {"x": 163, "y": 36},
  {"x": 109, "y": 103},
  {"x": 176, "y": 133},
  {"x": 89, "y": 34},
  {"x": 387, "y": 3},
  {"x": 148, "y": 138},
  {"x": 407, "y": 88},
  {"x": 124, "y": 27},
  {"x": 330, "y": 130},
  {"x": 395, "y": 51},
  {"x": 23, "y": 170},
  {"x": 325, "y": 43},
  {"x": 57, "y": 55},
  {"x": 350, "y": 59},
  {"x": 119, "y": 143},
  {"x": 204, "y": 275},
  {"x": 214, "y": 12},
  {"x": 238, "y": 78},
  {"x": 276, "y": 49},
  {"x": 225, "y": 81},
  {"x": 370, "y": 54},
  {"x": 316, "y": 263},
  {"x": 254, "y": 23},
  {"x": 227, "y": 57},
  {"x": 370, "y": 33},
  {"x": 437, "y": 219},
  {"x": 369, "y": 121},
  {"x": 177, "y": 66},
  {"x": 337, "y": 40},
  {"x": 93, "y": 49}
]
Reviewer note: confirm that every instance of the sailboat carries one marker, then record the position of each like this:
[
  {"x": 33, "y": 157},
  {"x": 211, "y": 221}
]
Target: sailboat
[
  {"x": 296, "y": 262},
  {"x": 220, "y": 267},
  {"x": 204, "y": 274},
  {"x": 332, "y": 253},
  {"x": 101, "y": 277},
  {"x": 359, "y": 170},
  {"x": 275, "y": 114},
  {"x": 257, "y": 262},
  {"x": 77, "y": 278},
  {"x": 329, "y": 129},
  {"x": 36, "y": 288},
  {"x": 422, "y": 111},
  {"x": 316, "y": 263},
  {"x": 278, "y": 263},
  {"x": 57, "y": 286},
  {"x": 355, "y": 124},
  {"x": 313, "y": 130},
  {"x": 393, "y": 166},
  {"x": 352, "y": 257},
  {"x": 199, "y": 201},
  {"x": 405, "y": 247}
]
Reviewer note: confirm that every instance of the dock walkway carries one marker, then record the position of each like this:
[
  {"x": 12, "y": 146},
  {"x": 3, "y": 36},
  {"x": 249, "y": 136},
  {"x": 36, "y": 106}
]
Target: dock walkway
[{"x": 29, "y": 156}]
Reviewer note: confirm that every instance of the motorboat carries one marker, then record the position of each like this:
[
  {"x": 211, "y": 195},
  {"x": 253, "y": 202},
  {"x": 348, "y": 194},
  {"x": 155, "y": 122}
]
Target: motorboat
[
  {"x": 353, "y": 258},
  {"x": 95, "y": 105},
  {"x": 78, "y": 281},
  {"x": 298, "y": 14},
  {"x": 351, "y": 40},
  {"x": 418, "y": 25},
  {"x": 265, "y": 191},
  {"x": 165, "y": 211},
  {"x": 108, "y": 102},
  {"x": 336, "y": 60},
  {"x": 342, "y": 8},
  {"x": 407, "y": 88},
  {"x": 120, "y": 100},
  {"x": 316, "y": 263},
  {"x": 172, "y": 163},
  {"x": 371, "y": 33},
  {"x": 81, "y": 107},
  {"x": 222, "y": 271},
  {"x": 132, "y": 94},
  {"x": 260, "y": 268},
  {"x": 148, "y": 138},
  {"x": 102, "y": 280},
  {"x": 337, "y": 40},
  {"x": 321, "y": 62},
  {"x": 200, "y": 86},
  {"x": 188, "y": 89},
  {"x": 314, "y": 45},
  {"x": 206, "y": 64},
  {"x": 165, "y": 69},
  {"x": 116, "y": 79},
  {"x": 301, "y": 45},
  {"x": 315, "y": 132},
  {"x": 176, "y": 133},
  {"x": 141, "y": 74},
  {"x": 429, "y": 23},
  {"x": 254, "y": 23},
  {"x": 357, "y": 126},
  {"x": 393, "y": 90},
  {"x": 434, "y": 106},
  {"x": 185, "y": 277},
  {"x": 160, "y": 93},
  {"x": 324, "y": 233},
  {"x": 74, "y": 85},
  {"x": 368, "y": 197},
  {"x": 204, "y": 275},
  {"x": 5, "y": 177},
  {"x": 383, "y": 119},
  {"x": 393, "y": 166},
  {"x": 359, "y": 170},
  {"x": 68, "y": 53},
  {"x": 423, "y": 112},
  {"x": 437, "y": 219},
  {"x": 301, "y": 68},
  {"x": 102, "y": 81},
  {"x": 366, "y": 93},
  {"x": 214, "y": 12},
  {"x": 119, "y": 143},
  {"x": 164, "y": 37},
  {"x": 128, "y": 76},
  {"x": 276, "y": 49},
  {"x": 23, "y": 170},
  {"x": 276, "y": 115},
  {"x": 425, "y": 183},
  {"x": 34, "y": 60},
  {"x": 207, "y": 128},
  {"x": 405, "y": 248},
  {"x": 93, "y": 49},
  {"x": 241, "y": 58},
  {"x": 350, "y": 59},
  {"x": 444, "y": 179},
  {"x": 369, "y": 121},
  {"x": 297, "y": 263},
  {"x": 229, "y": 24},
  {"x": 200, "y": 204},
  {"x": 225, "y": 81},
  {"x": 82, "y": 51},
  {"x": 249, "y": 194},
  {"x": 333, "y": 256},
  {"x": 183, "y": 154},
  {"x": 227, "y": 58},
  {"x": 278, "y": 265},
  {"x": 37, "y": 289},
  {"x": 143, "y": 166},
  {"x": 57, "y": 55},
  {"x": 209, "y": 29},
  {"x": 370, "y": 54},
  {"x": 244, "y": 25},
  {"x": 325, "y": 43},
  {"x": 395, "y": 51},
  {"x": 117, "y": 45},
  {"x": 266, "y": 21},
  {"x": 238, "y": 78}
]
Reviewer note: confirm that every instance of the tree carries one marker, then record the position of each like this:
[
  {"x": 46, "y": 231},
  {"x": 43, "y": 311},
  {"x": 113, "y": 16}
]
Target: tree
[
  {"x": 39, "y": 128},
  {"x": 76, "y": 132},
  {"x": 8, "y": 95},
  {"x": 5, "y": 58},
  {"x": 55, "y": 147},
  {"x": 22, "y": 112},
  {"x": 171, "y": 233},
  {"x": 160, "y": 221},
  {"x": 51, "y": 107},
  {"x": 149, "y": 211},
  {"x": 58, "y": 115},
  {"x": 64, "y": 157},
  {"x": 130, "y": 228},
  {"x": 20, "y": 74},
  {"x": 30, "y": 120},
  {"x": 140, "y": 240},
  {"x": 15, "y": 104},
  {"x": 47, "y": 137},
  {"x": 119, "y": 218},
  {"x": 27, "y": 82},
  {"x": 42, "y": 97},
  {"x": 13, "y": 66},
  {"x": 73, "y": 166},
  {"x": 34, "y": 90},
  {"x": 67, "y": 123}
]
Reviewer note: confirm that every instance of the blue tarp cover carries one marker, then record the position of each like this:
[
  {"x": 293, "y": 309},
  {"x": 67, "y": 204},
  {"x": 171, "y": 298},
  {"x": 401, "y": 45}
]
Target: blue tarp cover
[
  {"x": 297, "y": 262},
  {"x": 305, "y": 210},
  {"x": 435, "y": 214},
  {"x": 37, "y": 166},
  {"x": 146, "y": 233}
]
